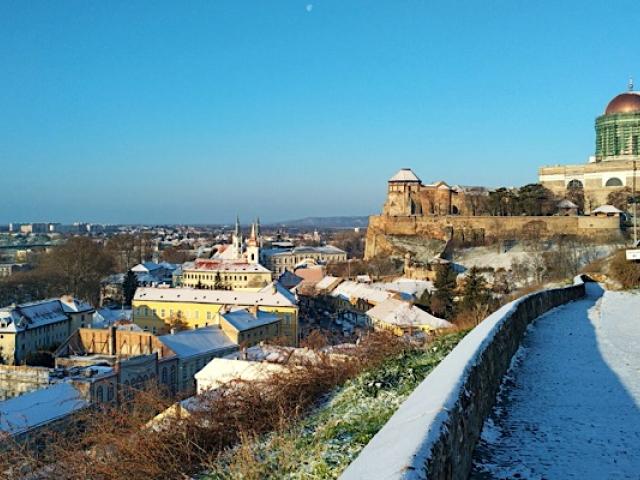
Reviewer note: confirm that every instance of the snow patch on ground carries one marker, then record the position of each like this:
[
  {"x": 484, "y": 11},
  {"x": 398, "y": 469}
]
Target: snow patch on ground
[{"x": 570, "y": 405}]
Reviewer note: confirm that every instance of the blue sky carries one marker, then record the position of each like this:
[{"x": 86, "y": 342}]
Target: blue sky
[{"x": 133, "y": 111}]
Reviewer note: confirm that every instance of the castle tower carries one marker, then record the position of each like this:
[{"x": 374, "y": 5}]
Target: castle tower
[{"x": 403, "y": 188}]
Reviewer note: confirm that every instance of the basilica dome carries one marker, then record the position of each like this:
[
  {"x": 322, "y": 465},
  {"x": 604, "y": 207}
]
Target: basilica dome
[{"x": 627, "y": 102}]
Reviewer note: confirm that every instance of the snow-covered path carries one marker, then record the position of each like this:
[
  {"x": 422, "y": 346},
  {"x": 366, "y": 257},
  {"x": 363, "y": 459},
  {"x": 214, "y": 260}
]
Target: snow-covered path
[{"x": 570, "y": 405}]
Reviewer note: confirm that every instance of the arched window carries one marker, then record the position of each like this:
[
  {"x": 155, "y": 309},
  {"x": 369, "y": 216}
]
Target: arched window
[
  {"x": 100, "y": 394},
  {"x": 454, "y": 210},
  {"x": 614, "y": 182},
  {"x": 575, "y": 184}
]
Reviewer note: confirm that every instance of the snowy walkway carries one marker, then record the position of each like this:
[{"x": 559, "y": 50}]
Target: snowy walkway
[{"x": 570, "y": 405}]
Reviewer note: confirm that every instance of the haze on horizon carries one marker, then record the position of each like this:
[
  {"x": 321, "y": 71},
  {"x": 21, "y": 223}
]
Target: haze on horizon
[{"x": 164, "y": 112}]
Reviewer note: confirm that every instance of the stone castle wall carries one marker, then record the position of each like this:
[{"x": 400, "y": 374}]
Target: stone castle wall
[{"x": 479, "y": 228}]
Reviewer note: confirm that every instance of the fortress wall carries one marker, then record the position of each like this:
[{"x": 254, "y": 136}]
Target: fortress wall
[
  {"x": 434, "y": 432},
  {"x": 481, "y": 227}
]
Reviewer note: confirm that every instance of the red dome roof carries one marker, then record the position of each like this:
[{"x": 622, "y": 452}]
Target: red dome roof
[{"x": 628, "y": 102}]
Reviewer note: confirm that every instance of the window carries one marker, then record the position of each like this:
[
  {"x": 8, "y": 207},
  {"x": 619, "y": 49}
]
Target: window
[
  {"x": 100, "y": 394},
  {"x": 614, "y": 182},
  {"x": 574, "y": 184}
]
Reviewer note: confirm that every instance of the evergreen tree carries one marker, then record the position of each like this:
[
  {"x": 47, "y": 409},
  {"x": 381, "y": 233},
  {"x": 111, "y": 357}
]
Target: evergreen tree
[
  {"x": 475, "y": 292},
  {"x": 442, "y": 299},
  {"x": 129, "y": 287}
]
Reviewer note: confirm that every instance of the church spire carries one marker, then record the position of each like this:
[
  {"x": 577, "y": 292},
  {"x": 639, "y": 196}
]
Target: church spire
[{"x": 630, "y": 84}]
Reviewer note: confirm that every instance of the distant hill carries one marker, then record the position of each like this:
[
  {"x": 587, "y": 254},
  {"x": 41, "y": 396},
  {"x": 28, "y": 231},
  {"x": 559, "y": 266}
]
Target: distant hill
[{"x": 326, "y": 222}]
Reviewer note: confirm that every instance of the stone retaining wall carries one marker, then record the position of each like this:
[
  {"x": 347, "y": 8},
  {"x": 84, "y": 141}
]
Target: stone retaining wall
[{"x": 434, "y": 432}]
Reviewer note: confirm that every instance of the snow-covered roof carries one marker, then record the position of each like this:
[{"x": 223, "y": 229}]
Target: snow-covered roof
[
  {"x": 606, "y": 209},
  {"x": 273, "y": 295},
  {"x": 289, "y": 279},
  {"x": 25, "y": 412},
  {"x": 221, "y": 370},
  {"x": 403, "y": 314},
  {"x": 327, "y": 283},
  {"x": 302, "y": 250},
  {"x": 104, "y": 317},
  {"x": 72, "y": 305},
  {"x": 42, "y": 312},
  {"x": 353, "y": 290},
  {"x": 565, "y": 203},
  {"x": 190, "y": 343},
  {"x": 242, "y": 319},
  {"x": 225, "y": 266},
  {"x": 404, "y": 175},
  {"x": 405, "y": 286}
]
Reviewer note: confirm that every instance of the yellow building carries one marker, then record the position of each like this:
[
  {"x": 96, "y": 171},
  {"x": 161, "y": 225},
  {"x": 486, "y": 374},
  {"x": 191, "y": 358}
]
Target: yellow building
[
  {"x": 402, "y": 318},
  {"x": 155, "y": 309},
  {"x": 249, "y": 327},
  {"x": 231, "y": 275},
  {"x": 30, "y": 327}
]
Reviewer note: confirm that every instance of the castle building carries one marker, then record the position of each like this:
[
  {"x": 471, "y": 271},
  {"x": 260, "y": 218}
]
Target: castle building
[
  {"x": 408, "y": 196},
  {"x": 614, "y": 165}
]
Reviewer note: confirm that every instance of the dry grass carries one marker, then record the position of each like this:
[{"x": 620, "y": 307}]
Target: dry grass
[{"x": 115, "y": 443}]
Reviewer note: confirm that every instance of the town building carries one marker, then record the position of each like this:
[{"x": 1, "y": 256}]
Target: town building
[
  {"x": 140, "y": 357},
  {"x": 195, "y": 349},
  {"x": 216, "y": 274},
  {"x": 222, "y": 371},
  {"x": 279, "y": 260},
  {"x": 614, "y": 164},
  {"x": 401, "y": 317},
  {"x": 249, "y": 327},
  {"x": 29, "y": 327},
  {"x": 155, "y": 309}
]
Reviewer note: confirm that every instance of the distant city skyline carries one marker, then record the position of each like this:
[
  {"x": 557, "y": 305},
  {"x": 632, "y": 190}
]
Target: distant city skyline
[{"x": 162, "y": 112}]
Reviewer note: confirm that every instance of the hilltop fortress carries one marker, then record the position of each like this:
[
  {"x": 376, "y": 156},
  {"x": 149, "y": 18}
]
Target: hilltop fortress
[{"x": 429, "y": 215}]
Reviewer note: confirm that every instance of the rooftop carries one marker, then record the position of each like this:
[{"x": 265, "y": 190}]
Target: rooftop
[
  {"x": 25, "y": 412},
  {"x": 404, "y": 175},
  {"x": 272, "y": 295},
  {"x": 403, "y": 314},
  {"x": 43, "y": 312},
  {"x": 242, "y": 319},
  {"x": 189, "y": 343}
]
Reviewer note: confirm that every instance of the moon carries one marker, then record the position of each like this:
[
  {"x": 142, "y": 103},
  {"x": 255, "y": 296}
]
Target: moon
[{"x": 309, "y": 7}]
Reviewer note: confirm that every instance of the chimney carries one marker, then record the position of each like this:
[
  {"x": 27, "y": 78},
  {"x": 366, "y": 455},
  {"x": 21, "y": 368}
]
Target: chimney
[{"x": 112, "y": 340}]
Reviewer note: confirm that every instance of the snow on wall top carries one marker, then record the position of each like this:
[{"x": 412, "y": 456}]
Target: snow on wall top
[{"x": 407, "y": 439}]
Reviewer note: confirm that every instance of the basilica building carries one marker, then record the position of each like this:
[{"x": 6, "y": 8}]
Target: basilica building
[{"x": 615, "y": 162}]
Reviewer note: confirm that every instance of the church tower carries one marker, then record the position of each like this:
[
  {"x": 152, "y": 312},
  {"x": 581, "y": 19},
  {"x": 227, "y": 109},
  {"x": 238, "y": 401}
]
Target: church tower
[
  {"x": 253, "y": 244},
  {"x": 236, "y": 243}
]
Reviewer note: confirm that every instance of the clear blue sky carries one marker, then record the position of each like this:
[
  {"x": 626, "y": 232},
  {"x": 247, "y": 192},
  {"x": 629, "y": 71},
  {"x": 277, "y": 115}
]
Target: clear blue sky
[{"x": 132, "y": 111}]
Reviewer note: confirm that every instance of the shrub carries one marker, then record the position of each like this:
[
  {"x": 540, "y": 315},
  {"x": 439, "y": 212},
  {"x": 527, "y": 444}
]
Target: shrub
[{"x": 626, "y": 272}]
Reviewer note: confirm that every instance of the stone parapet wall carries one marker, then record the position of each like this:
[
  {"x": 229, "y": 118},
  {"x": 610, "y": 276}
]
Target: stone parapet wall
[
  {"x": 478, "y": 228},
  {"x": 434, "y": 432}
]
